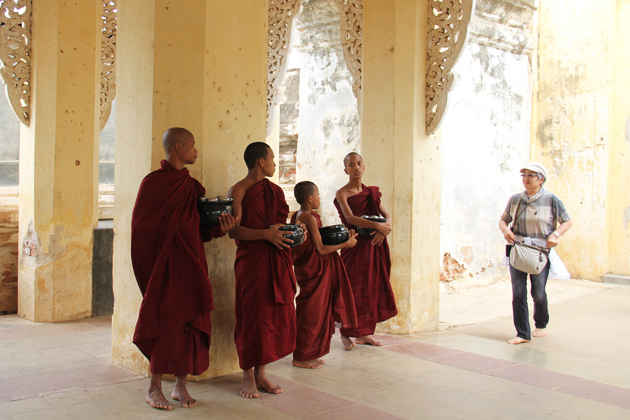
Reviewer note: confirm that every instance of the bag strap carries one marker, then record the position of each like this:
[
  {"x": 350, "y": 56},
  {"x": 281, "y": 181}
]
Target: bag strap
[{"x": 517, "y": 214}]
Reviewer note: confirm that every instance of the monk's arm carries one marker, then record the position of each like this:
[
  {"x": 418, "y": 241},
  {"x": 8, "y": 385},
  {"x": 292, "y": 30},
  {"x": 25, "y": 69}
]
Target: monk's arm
[
  {"x": 316, "y": 238},
  {"x": 241, "y": 233},
  {"x": 342, "y": 199}
]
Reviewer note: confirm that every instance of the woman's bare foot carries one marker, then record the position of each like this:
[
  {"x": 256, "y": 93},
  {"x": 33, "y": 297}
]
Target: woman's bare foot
[
  {"x": 155, "y": 396},
  {"x": 263, "y": 383},
  {"x": 539, "y": 332},
  {"x": 309, "y": 364},
  {"x": 180, "y": 393},
  {"x": 249, "y": 390},
  {"x": 518, "y": 340},
  {"x": 369, "y": 340},
  {"x": 347, "y": 342}
]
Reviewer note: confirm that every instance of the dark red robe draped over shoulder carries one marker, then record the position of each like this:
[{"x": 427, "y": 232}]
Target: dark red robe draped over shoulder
[
  {"x": 368, "y": 269},
  {"x": 325, "y": 297},
  {"x": 265, "y": 283},
  {"x": 169, "y": 262}
]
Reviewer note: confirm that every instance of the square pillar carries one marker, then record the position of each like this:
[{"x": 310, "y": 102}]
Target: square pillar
[
  {"x": 59, "y": 163},
  {"x": 200, "y": 65},
  {"x": 399, "y": 156}
]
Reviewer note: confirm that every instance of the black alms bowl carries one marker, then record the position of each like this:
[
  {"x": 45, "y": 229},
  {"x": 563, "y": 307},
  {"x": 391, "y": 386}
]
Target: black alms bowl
[
  {"x": 210, "y": 210},
  {"x": 366, "y": 233},
  {"x": 293, "y": 232},
  {"x": 334, "y": 235}
]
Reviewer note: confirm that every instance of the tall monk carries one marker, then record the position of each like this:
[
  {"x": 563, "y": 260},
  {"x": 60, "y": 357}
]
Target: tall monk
[
  {"x": 325, "y": 293},
  {"x": 169, "y": 261},
  {"x": 265, "y": 283},
  {"x": 368, "y": 264}
]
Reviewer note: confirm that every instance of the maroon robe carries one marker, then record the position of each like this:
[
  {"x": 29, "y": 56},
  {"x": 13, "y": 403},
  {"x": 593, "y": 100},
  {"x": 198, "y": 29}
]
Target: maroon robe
[
  {"x": 265, "y": 283},
  {"x": 325, "y": 297},
  {"x": 368, "y": 269},
  {"x": 169, "y": 262}
]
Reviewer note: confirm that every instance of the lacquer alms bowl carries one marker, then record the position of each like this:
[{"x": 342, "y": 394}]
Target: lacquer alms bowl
[
  {"x": 366, "y": 233},
  {"x": 293, "y": 232},
  {"x": 210, "y": 210},
  {"x": 334, "y": 235}
]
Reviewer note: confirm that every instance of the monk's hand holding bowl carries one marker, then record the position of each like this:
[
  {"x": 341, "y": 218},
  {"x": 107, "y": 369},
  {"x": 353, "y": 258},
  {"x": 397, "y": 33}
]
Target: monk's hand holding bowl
[
  {"x": 352, "y": 239},
  {"x": 275, "y": 236},
  {"x": 227, "y": 222},
  {"x": 383, "y": 228},
  {"x": 378, "y": 238}
]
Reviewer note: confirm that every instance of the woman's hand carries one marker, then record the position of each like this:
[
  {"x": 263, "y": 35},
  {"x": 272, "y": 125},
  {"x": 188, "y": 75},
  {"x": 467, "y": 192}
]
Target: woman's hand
[
  {"x": 552, "y": 240},
  {"x": 509, "y": 236}
]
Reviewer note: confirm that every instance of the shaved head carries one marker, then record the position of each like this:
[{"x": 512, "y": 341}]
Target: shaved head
[
  {"x": 172, "y": 136},
  {"x": 348, "y": 156},
  {"x": 302, "y": 190}
]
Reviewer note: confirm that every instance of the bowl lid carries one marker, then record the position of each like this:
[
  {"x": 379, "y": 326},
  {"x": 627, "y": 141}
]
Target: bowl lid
[
  {"x": 218, "y": 200},
  {"x": 374, "y": 218},
  {"x": 327, "y": 230}
]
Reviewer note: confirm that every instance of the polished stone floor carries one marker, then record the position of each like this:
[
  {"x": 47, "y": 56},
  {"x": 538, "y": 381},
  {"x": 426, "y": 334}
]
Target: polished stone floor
[{"x": 581, "y": 370}]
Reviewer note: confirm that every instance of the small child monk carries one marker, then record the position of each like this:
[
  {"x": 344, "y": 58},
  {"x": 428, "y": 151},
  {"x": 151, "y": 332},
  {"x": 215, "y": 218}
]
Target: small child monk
[
  {"x": 325, "y": 292},
  {"x": 368, "y": 264}
]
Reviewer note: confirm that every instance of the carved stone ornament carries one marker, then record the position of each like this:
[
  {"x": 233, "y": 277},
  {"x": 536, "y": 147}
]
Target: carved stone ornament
[
  {"x": 15, "y": 54},
  {"x": 281, "y": 15},
  {"x": 108, "y": 60},
  {"x": 351, "y": 22},
  {"x": 448, "y": 27}
]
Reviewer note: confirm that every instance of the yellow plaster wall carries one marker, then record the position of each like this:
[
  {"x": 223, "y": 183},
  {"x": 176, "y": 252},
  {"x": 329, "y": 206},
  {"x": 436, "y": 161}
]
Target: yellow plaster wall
[
  {"x": 58, "y": 195},
  {"x": 573, "y": 122},
  {"x": 235, "y": 95},
  {"x": 400, "y": 158},
  {"x": 618, "y": 192}
]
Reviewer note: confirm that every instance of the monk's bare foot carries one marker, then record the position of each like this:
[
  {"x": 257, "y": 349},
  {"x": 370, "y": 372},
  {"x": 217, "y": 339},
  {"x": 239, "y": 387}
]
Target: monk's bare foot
[
  {"x": 249, "y": 390},
  {"x": 263, "y": 383},
  {"x": 539, "y": 332},
  {"x": 309, "y": 364},
  {"x": 157, "y": 399},
  {"x": 518, "y": 340},
  {"x": 180, "y": 393},
  {"x": 347, "y": 342},
  {"x": 369, "y": 340}
]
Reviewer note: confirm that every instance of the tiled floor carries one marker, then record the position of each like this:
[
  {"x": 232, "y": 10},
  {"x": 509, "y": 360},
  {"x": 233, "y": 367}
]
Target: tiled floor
[{"x": 466, "y": 371}]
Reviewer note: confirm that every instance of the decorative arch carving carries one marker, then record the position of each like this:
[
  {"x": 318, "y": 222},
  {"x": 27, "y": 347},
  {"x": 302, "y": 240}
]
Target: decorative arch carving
[
  {"x": 108, "y": 60},
  {"x": 351, "y": 22},
  {"x": 281, "y": 16},
  {"x": 448, "y": 28},
  {"x": 15, "y": 55}
]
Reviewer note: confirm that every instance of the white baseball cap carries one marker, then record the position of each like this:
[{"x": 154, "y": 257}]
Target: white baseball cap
[{"x": 535, "y": 167}]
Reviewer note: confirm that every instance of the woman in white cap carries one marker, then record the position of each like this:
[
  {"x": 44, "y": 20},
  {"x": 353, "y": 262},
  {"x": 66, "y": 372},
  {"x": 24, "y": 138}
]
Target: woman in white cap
[{"x": 543, "y": 219}]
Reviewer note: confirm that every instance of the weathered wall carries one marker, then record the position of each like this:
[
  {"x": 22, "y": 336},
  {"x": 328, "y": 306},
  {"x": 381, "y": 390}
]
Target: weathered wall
[
  {"x": 485, "y": 139},
  {"x": 573, "y": 122},
  {"x": 326, "y": 123}
]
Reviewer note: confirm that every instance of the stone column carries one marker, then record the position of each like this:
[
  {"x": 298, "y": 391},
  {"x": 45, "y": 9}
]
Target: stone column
[
  {"x": 59, "y": 163},
  {"x": 618, "y": 191},
  {"x": 210, "y": 78},
  {"x": 400, "y": 158}
]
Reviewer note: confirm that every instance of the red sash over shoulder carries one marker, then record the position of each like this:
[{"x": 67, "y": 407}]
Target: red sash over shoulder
[
  {"x": 265, "y": 283},
  {"x": 169, "y": 263},
  {"x": 325, "y": 297},
  {"x": 368, "y": 269}
]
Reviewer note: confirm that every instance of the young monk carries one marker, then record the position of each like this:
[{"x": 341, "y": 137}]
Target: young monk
[
  {"x": 265, "y": 283},
  {"x": 169, "y": 262},
  {"x": 325, "y": 292},
  {"x": 368, "y": 264}
]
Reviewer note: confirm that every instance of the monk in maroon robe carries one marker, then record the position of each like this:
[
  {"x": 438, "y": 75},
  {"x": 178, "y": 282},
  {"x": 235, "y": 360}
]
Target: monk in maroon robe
[
  {"x": 265, "y": 283},
  {"x": 169, "y": 262},
  {"x": 368, "y": 264},
  {"x": 325, "y": 292}
]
